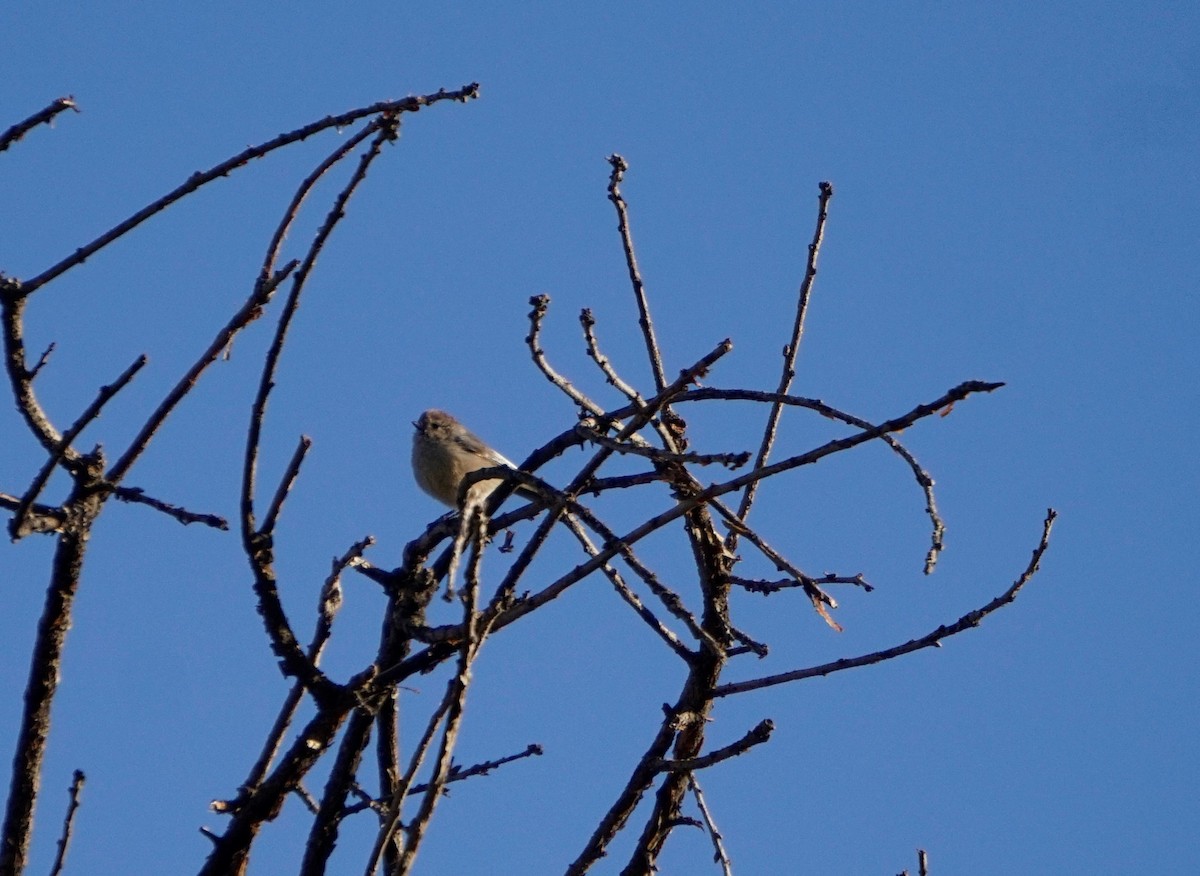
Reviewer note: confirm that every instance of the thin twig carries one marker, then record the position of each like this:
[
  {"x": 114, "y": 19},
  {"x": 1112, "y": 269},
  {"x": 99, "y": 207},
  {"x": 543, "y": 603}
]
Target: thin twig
[
  {"x": 748, "y": 646},
  {"x": 619, "y": 166},
  {"x": 16, "y": 526},
  {"x": 759, "y": 585},
  {"x": 286, "y": 483},
  {"x": 757, "y": 735},
  {"x": 42, "y": 361},
  {"x": 459, "y": 774},
  {"x": 588, "y": 321},
  {"x": 732, "y": 461},
  {"x": 789, "y": 353},
  {"x": 818, "y": 597},
  {"x": 623, "y": 482},
  {"x": 247, "y": 313},
  {"x": 541, "y": 304},
  {"x": 299, "y": 278},
  {"x": 929, "y": 640},
  {"x": 12, "y": 312},
  {"x": 64, "y": 841},
  {"x": 627, "y": 594},
  {"x": 136, "y": 495},
  {"x": 719, "y": 854},
  {"x": 310, "y": 802},
  {"x": 42, "y": 117}
]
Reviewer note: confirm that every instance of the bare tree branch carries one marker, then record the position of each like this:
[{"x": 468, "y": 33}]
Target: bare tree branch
[
  {"x": 719, "y": 853},
  {"x": 42, "y": 117},
  {"x": 459, "y": 774},
  {"x": 20, "y": 378},
  {"x": 344, "y": 717},
  {"x": 627, "y": 594},
  {"x": 669, "y": 598},
  {"x": 64, "y": 841},
  {"x": 477, "y": 630},
  {"x": 757, "y": 735},
  {"x": 789, "y": 353},
  {"x": 286, "y": 483},
  {"x": 924, "y": 480},
  {"x": 248, "y": 312},
  {"x": 579, "y": 483},
  {"x": 16, "y": 526},
  {"x": 929, "y": 640},
  {"x": 640, "y": 779},
  {"x": 45, "y": 670},
  {"x": 136, "y": 495},
  {"x": 257, "y": 542},
  {"x": 899, "y": 423},
  {"x": 231, "y": 849},
  {"x": 819, "y": 598},
  {"x": 619, "y": 166},
  {"x": 541, "y": 304},
  {"x": 329, "y": 603},
  {"x": 323, "y": 833},
  {"x": 732, "y": 461},
  {"x": 39, "y": 517},
  {"x": 593, "y": 349},
  {"x": 200, "y": 178}
]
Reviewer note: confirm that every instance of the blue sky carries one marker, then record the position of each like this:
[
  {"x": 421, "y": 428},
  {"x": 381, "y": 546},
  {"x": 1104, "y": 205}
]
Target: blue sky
[{"x": 1016, "y": 199}]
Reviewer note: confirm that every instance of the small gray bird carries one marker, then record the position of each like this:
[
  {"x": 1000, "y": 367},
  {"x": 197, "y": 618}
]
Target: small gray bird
[{"x": 445, "y": 451}]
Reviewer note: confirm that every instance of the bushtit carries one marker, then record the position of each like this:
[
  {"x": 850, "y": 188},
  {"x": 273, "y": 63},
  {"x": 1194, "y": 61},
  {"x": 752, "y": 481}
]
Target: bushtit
[{"x": 445, "y": 451}]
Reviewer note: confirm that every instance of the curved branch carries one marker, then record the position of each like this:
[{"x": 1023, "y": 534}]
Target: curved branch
[
  {"x": 929, "y": 640},
  {"x": 266, "y": 381},
  {"x": 257, "y": 543},
  {"x": 541, "y": 304},
  {"x": 200, "y": 178},
  {"x": 12, "y": 312},
  {"x": 923, "y": 478},
  {"x": 588, "y": 321},
  {"x": 16, "y": 526}
]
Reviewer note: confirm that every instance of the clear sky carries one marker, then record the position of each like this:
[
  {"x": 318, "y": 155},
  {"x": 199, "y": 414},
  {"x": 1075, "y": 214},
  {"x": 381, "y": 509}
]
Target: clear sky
[{"x": 1016, "y": 200}]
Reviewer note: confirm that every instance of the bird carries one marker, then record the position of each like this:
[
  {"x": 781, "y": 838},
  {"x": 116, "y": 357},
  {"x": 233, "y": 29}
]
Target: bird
[{"x": 444, "y": 451}]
